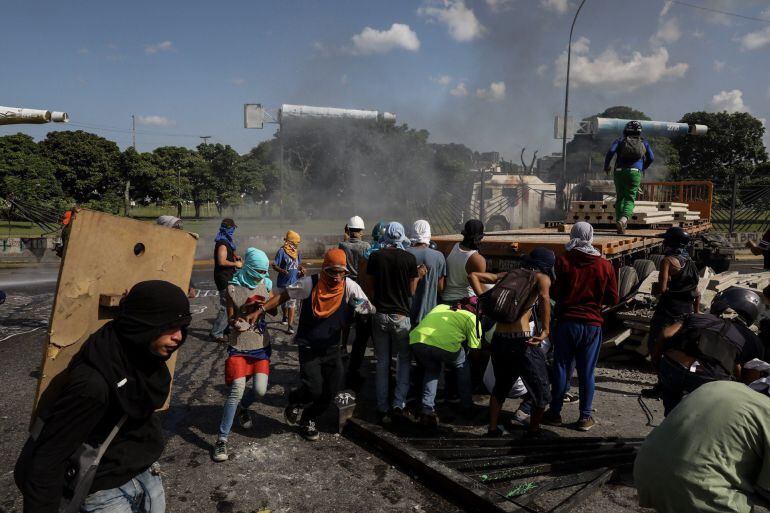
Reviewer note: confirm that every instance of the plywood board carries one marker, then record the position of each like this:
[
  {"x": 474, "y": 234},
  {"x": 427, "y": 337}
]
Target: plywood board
[{"x": 105, "y": 255}]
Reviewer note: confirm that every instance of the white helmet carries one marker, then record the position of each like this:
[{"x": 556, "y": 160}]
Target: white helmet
[{"x": 356, "y": 223}]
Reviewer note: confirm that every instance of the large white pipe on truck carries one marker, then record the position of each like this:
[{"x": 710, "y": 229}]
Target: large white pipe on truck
[
  {"x": 17, "y": 115},
  {"x": 613, "y": 126},
  {"x": 306, "y": 111}
]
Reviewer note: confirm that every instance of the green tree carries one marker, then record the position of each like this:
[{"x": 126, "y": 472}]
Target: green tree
[
  {"x": 172, "y": 183},
  {"x": 87, "y": 167},
  {"x": 732, "y": 146},
  {"x": 28, "y": 175}
]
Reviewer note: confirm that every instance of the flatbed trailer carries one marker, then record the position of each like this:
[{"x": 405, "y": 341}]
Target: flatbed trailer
[{"x": 503, "y": 248}]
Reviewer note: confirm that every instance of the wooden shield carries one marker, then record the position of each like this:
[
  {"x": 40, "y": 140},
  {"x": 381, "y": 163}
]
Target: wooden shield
[{"x": 104, "y": 256}]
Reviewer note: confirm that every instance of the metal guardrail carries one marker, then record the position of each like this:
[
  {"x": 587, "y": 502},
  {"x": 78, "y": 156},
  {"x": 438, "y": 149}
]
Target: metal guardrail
[{"x": 742, "y": 209}]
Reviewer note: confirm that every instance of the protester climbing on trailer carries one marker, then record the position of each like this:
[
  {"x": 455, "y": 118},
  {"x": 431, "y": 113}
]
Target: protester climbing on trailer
[{"x": 633, "y": 155}]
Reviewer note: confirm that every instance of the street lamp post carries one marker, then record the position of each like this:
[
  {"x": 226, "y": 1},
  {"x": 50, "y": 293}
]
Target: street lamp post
[{"x": 566, "y": 102}]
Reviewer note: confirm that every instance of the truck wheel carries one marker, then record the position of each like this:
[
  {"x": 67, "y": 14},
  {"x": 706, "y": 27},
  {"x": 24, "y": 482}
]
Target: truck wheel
[
  {"x": 643, "y": 268},
  {"x": 627, "y": 280},
  {"x": 657, "y": 259},
  {"x": 497, "y": 224},
  {"x": 719, "y": 265}
]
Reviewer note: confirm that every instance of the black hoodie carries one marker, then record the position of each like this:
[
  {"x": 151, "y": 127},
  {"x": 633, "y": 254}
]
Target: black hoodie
[{"x": 114, "y": 374}]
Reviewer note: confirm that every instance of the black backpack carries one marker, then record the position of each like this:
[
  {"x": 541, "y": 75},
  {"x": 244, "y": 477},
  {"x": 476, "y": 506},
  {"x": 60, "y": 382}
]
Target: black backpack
[
  {"x": 630, "y": 149},
  {"x": 508, "y": 300},
  {"x": 712, "y": 346}
]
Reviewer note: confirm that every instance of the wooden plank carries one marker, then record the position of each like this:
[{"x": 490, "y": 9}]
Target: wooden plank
[{"x": 105, "y": 256}]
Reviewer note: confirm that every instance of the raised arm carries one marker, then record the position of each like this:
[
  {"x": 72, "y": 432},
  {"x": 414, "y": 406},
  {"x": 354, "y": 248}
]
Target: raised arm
[{"x": 477, "y": 279}]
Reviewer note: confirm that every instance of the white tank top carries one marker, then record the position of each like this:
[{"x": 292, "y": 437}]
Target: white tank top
[{"x": 457, "y": 286}]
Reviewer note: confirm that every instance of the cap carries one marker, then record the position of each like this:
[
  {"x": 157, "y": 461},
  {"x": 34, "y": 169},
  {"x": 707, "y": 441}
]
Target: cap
[
  {"x": 356, "y": 223},
  {"x": 229, "y": 223}
]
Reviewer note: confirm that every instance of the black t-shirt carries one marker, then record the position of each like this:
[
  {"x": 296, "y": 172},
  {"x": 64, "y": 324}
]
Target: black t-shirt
[
  {"x": 223, "y": 274},
  {"x": 393, "y": 270}
]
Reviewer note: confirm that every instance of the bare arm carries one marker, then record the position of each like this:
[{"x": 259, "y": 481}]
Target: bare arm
[
  {"x": 278, "y": 269},
  {"x": 544, "y": 308},
  {"x": 665, "y": 270},
  {"x": 275, "y": 301},
  {"x": 222, "y": 260},
  {"x": 476, "y": 264},
  {"x": 477, "y": 279},
  {"x": 441, "y": 284},
  {"x": 666, "y": 334},
  {"x": 421, "y": 272}
]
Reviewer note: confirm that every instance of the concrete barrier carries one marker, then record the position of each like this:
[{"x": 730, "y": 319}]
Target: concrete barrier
[{"x": 28, "y": 250}]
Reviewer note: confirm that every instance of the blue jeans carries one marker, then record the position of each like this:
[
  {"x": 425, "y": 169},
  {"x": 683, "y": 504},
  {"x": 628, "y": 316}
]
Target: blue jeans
[
  {"x": 220, "y": 323},
  {"x": 580, "y": 343},
  {"x": 142, "y": 494},
  {"x": 432, "y": 360},
  {"x": 236, "y": 395},
  {"x": 391, "y": 331}
]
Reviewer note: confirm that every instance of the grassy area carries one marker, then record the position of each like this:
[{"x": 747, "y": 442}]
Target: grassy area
[{"x": 19, "y": 229}]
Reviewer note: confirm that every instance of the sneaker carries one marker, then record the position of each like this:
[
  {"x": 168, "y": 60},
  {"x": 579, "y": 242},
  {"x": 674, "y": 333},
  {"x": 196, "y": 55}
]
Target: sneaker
[
  {"x": 521, "y": 418},
  {"x": 219, "y": 454},
  {"x": 284, "y": 321},
  {"x": 291, "y": 414},
  {"x": 570, "y": 398},
  {"x": 429, "y": 420},
  {"x": 495, "y": 433},
  {"x": 397, "y": 414},
  {"x": 244, "y": 417},
  {"x": 585, "y": 424},
  {"x": 309, "y": 431},
  {"x": 291, "y": 330},
  {"x": 621, "y": 225},
  {"x": 552, "y": 419}
]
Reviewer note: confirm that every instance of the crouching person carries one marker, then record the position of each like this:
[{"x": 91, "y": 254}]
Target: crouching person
[
  {"x": 112, "y": 388},
  {"x": 331, "y": 300},
  {"x": 248, "y": 347},
  {"x": 436, "y": 342}
]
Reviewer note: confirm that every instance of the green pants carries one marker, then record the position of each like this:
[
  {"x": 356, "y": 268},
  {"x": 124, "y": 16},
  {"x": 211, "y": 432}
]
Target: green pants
[{"x": 627, "y": 182}]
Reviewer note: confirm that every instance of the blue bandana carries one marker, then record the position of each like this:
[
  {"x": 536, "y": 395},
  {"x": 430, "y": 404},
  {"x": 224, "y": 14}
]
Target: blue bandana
[{"x": 226, "y": 235}]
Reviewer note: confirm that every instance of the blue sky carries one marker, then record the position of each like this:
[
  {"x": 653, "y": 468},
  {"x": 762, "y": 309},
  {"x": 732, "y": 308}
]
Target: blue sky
[{"x": 486, "y": 73}]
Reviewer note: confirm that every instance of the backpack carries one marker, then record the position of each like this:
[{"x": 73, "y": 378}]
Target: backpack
[
  {"x": 508, "y": 301},
  {"x": 712, "y": 346},
  {"x": 630, "y": 149}
]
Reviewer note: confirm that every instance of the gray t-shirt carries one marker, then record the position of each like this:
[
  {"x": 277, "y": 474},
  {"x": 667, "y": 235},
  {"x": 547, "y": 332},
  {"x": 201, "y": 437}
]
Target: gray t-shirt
[
  {"x": 354, "y": 251},
  {"x": 426, "y": 296}
]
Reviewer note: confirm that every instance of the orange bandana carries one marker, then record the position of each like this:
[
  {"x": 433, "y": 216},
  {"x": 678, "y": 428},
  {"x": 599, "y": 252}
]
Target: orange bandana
[
  {"x": 290, "y": 243},
  {"x": 327, "y": 294}
]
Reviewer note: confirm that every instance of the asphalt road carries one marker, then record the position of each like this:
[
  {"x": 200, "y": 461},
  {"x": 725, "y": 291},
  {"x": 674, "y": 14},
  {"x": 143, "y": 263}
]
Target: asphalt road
[{"x": 271, "y": 467}]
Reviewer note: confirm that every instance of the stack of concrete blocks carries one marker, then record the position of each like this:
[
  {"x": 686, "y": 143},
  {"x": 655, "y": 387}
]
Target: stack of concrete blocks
[{"x": 645, "y": 213}]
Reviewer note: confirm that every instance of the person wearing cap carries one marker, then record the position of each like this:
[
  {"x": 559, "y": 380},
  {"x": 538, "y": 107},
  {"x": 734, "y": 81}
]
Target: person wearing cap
[
  {"x": 329, "y": 300},
  {"x": 515, "y": 347},
  {"x": 708, "y": 347},
  {"x": 393, "y": 276},
  {"x": 633, "y": 156},
  {"x": 226, "y": 261},
  {"x": 288, "y": 265},
  {"x": 431, "y": 285},
  {"x": 438, "y": 341},
  {"x": 463, "y": 260},
  {"x": 585, "y": 283},
  {"x": 248, "y": 349},
  {"x": 710, "y": 455},
  {"x": 117, "y": 380}
]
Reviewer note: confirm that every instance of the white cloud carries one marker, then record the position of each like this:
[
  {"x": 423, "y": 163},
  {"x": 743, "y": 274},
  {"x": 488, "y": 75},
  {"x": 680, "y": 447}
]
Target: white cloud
[
  {"x": 164, "y": 46},
  {"x": 756, "y": 39},
  {"x": 559, "y": 6},
  {"x": 459, "y": 90},
  {"x": 237, "y": 81},
  {"x": 371, "y": 41},
  {"x": 495, "y": 93},
  {"x": 719, "y": 66},
  {"x": 698, "y": 34},
  {"x": 443, "y": 80},
  {"x": 154, "y": 121},
  {"x": 666, "y": 7},
  {"x": 542, "y": 70},
  {"x": 765, "y": 14},
  {"x": 612, "y": 71},
  {"x": 730, "y": 101},
  {"x": 461, "y": 21},
  {"x": 668, "y": 32},
  {"x": 83, "y": 51}
]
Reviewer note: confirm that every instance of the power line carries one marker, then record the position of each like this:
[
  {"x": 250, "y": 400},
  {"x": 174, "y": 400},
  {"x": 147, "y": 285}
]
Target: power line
[
  {"x": 718, "y": 11},
  {"x": 107, "y": 128}
]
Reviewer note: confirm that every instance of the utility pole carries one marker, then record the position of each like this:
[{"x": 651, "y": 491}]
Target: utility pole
[
  {"x": 566, "y": 103},
  {"x": 133, "y": 131},
  {"x": 127, "y": 190},
  {"x": 205, "y": 139}
]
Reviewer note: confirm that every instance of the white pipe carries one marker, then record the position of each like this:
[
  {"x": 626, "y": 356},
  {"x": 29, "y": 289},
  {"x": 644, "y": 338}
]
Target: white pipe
[
  {"x": 307, "y": 111},
  {"x": 17, "y": 115}
]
